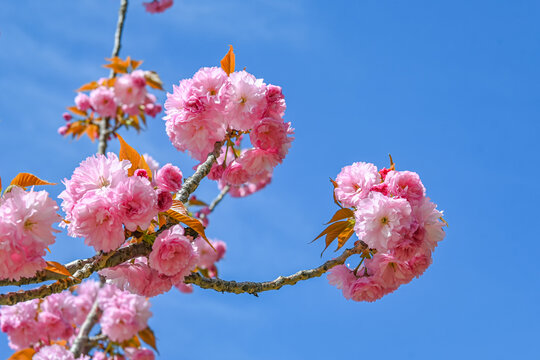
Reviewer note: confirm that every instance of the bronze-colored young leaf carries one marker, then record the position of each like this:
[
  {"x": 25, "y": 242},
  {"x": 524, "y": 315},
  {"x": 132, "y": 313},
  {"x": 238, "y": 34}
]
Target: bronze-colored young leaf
[
  {"x": 77, "y": 111},
  {"x": 76, "y": 129},
  {"x": 179, "y": 206},
  {"x": 129, "y": 153},
  {"x": 25, "y": 354},
  {"x": 334, "y": 193},
  {"x": 344, "y": 236},
  {"x": 341, "y": 214},
  {"x": 335, "y": 230},
  {"x": 196, "y": 202},
  {"x": 153, "y": 80},
  {"x": 134, "y": 342},
  {"x": 92, "y": 131},
  {"x": 147, "y": 335},
  {"x": 228, "y": 61},
  {"x": 26, "y": 179},
  {"x": 57, "y": 268},
  {"x": 89, "y": 86},
  {"x": 135, "y": 64},
  {"x": 193, "y": 223}
]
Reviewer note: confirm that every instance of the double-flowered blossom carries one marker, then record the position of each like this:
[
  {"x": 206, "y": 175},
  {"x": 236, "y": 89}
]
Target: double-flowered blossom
[
  {"x": 100, "y": 199},
  {"x": 26, "y": 219},
  {"x": 393, "y": 216},
  {"x": 214, "y": 107},
  {"x": 50, "y": 325}
]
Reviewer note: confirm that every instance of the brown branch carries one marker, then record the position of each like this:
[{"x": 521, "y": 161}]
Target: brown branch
[
  {"x": 256, "y": 287},
  {"x": 216, "y": 201},
  {"x": 104, "y": 130},
  {"x": 191, "y": 183}
]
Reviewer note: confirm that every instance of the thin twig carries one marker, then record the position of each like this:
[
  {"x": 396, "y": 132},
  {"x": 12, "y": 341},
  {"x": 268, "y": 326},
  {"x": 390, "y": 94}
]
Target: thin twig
[
  {"x": 216, "y": 201},
  {"x": 104, "y": 131},
  {"x": 81, "y": 341},
  {"x": 191, "y": 183},
  {"x": 257, "y": 287}
]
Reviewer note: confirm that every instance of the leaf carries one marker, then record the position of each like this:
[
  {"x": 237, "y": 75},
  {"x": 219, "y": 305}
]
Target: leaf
[
  {"x": 26, "y": 179},
  {"x": 57, "y": 268},
  {"x": 118, "y": 65},
  {"x": 147, "y": 335},
  {"x": 228, "y": 61},
  {"x": 89, "y": 86},
  {"x": 135, "y": 64},
  {"x": 332, "y": 232},
  {"x": 25, "y": 354},
  {"x": 344, "y": 236},
  {"x": 129, "y": 153},
  {"x": 341, "y": 214},
  {"x": 161, "y": 220},
  {"x": 193, "y": 223},
  {"x": 334, "y": 193},
  {"x": 153, "y": 80},
  {"x": 92, "y": 131},
  {"x": 77, "y": 111},
  {"x": 196, "y": 202},
  {"x": 134, "y": 342},
  {"x": 76, "y": 129}
]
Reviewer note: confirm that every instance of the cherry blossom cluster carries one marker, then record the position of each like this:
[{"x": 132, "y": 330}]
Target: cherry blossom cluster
[
  {"x": 174, "y": 255},
  {"x": 124, "y": 99},
  {"x": 393, "y": 216},
  {"x": 157, "y": 6},
  {"x": 213, "y": 107},
  {"x": 46, "y": 325},
  {"x": 26, "y": 219},
  {"x": 103, "y": 203}
]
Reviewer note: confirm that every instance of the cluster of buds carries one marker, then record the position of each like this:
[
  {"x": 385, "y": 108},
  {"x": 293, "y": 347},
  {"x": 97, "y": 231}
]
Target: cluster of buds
[{"x": 122, "y": 99}]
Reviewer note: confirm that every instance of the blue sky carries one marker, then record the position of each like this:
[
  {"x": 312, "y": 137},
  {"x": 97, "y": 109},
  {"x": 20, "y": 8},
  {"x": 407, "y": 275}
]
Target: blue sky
[{"x": 450, "y": 89}]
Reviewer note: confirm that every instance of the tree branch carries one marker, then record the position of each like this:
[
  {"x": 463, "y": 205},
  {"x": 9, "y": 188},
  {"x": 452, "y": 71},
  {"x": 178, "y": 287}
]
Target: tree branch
[
  {"x": 216, "y": 201},
  {"x": 81, "y": 269},
  {"x": 256, "y": 287},
  {"x": 191, "y": 183},
  {"x": 81, "y": 341},
  {"x": 105, "y": 122}
]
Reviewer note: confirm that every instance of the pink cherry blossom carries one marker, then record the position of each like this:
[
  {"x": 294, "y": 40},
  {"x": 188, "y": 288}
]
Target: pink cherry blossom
[
  {"x": 184, "y": 288},
  {"x": 139, "y": 354},
  {"x": 380, "y": 220},
  {"x": 82, "y": 101},
  {"x": 20, "y": 323},
  {"x": 355, "y": 182},
  {"x": 391, "y": 271},
  {"x": 406, "y": 185},
  {"x": 275, "y": 102},
  {"x": 342, "y": 277},
  {"x": 157, "y": 6},
  {"x": 235, "y": 174},
  {"x": 169, "y": 178},
  {"x": 96, "y": 218},
  {"x": 164, "y": 200},
  {"x": 257, "y": 161},
  {"x": 130, "y": 89},
  {"x": 173, "y": 254},
  {"x": 271, "y": 134},
  {"x": 124, "y": 314},
  {"x": 208, "y": 256},
  {"x": 367, "y": 288},
  {"x": 136, "y": 201},
  {"x": 102, "y": 101},
  {"x": 53, "y": 352},
  {"x": 247, "y": 100}
]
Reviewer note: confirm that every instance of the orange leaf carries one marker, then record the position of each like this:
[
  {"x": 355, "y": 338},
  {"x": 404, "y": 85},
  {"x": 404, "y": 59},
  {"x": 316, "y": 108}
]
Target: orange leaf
[
  {"x": 76, "y": 110},
  {"x": 25, "y": 354},
  {"x": 57, "y": 268},
  {"x": 134, "y": 342},
  {"x": 227, "y": 63},
  {"x": 344, "y": 236},
  {"x": 135, "y": 64},
  {"x": 76, "y": 129},
  {"x": 196, "y": 202},
  {"x": 117, "y": 68},
  {"x": 90, "y": 86},
  {"x": 341, "y": 214},
  {"x": 334, "y": 193},
  {"x": 147, "y": 335},
  {"x": 92, "y": 131},
  {"x": 193, "y": 223},
  {"x": 26, "y": 179},
  {"x": 161, "y": 220},
  {"x": 332, "y": 232},
  {"x": 129, "y": 153},
  {"x": 153, "y": 80},
  {"x": 179, "y": 206}
]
